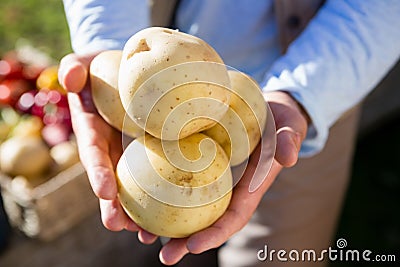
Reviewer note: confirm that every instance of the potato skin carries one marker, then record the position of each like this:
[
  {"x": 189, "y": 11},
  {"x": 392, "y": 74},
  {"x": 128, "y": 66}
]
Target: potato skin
[
  {"x": 155, "y": 65},
  {"x": 240, "y": 130},
  {"x": 104, "y": 71},
  {"x": 160, "y": 216},
  {"x": 24, "y": 155}
]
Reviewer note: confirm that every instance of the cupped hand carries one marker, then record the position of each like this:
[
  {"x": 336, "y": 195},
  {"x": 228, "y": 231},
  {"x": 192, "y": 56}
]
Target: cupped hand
[
  {"x": 100, "y": 148},
  {"x": 99, "y": 144},
  {"x": 291, "y": 124}
]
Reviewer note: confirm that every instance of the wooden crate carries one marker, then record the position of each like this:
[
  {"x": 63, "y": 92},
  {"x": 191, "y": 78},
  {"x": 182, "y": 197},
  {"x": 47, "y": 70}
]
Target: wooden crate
[{"x": 48, "y": 209}]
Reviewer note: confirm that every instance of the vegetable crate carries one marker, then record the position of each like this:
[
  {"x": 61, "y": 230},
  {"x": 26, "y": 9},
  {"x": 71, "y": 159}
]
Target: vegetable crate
[{"x": 51, "y": 208}]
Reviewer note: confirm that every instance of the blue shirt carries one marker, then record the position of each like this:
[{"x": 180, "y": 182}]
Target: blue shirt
[{"x": 341, "y": 56}]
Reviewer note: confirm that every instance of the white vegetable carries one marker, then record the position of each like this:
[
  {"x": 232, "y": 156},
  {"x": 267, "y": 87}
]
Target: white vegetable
[
  {"x": 240, "y": 130},
  {"x": 26, "y": 156},
  {"x": 176, "y": 191},
  {"x": 172, "y": 84},
  {"x": 104, "y": 82},
  {"x": 65, "y": 154}
]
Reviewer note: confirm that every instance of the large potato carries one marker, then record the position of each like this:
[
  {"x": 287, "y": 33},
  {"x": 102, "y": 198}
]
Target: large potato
[
  {"x": 240, "y": 130},
  {"x": 172, "y": 84},
  {"x": 104, "y": 82},
  {"x": 176, "y": 191}
]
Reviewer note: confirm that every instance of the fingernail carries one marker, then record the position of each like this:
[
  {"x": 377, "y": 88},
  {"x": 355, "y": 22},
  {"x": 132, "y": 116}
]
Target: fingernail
[
  {"x": 146, "y": 237},
  {"x": 131, "y": 226},
  {"x": 297, "y": 140},
  {"x": 194, "y": 246},
  {"x": 190, "y": 246}
]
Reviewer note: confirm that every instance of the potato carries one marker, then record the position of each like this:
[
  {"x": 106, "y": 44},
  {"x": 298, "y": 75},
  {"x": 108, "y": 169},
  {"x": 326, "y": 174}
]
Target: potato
[
  {"x": 28, "y": 126},
  {"x": 240, "y": 130},
  {"x": 176, "y": 191},
  {"x": 104, "y": 82},
  {"x": 65, "y": 154},
  {"x": 26, "y": 156},
  {"x": 172, "y": 84}
]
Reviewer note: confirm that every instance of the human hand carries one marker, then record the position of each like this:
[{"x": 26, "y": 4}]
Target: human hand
[
  {"x": 291, "y": 124},
  {"x": 99, "y": 144},
  {"x": 100, "y": 148}
]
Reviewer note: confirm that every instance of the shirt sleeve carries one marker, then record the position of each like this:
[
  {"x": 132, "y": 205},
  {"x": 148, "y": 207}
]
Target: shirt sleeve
[
  {"x": 340, "y": 57},
  {"x": 96, "y": 25}
]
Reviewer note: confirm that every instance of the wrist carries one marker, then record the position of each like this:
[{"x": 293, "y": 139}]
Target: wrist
[{"x": 285, "y": 98}]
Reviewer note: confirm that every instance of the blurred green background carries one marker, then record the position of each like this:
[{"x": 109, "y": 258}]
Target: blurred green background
[
  {"x": 371, "y": 215},
  {"x": 40, "y": 22}
]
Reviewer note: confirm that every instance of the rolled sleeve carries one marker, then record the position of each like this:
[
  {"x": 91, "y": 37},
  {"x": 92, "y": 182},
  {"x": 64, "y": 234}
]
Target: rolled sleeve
[
  {"x": 344, "y": 52},
  {"x": 96, "y": 25}
]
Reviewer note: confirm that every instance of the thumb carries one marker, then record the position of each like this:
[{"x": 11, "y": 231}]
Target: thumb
[
  {"x": 291, "y": 125},
  {"x": 73, "y": 71},
  {"x": 288, "y": 146}
]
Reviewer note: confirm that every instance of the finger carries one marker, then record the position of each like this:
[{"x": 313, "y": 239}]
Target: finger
[
  {"x": 217, "y": 234},
  {"x": 93, "y": 136},
  {"x": 114, "y": 217},
  {"x": 131, "y": 226},
  {"x": 288, "y": 146},
  {"x": 99, "y": 170},
  {"x": 73, "y": 71},
  {"x": 291, "y": 125},
  {"x": 236, "y": 217},
  {"x": 173, "y": 251},
  {"x": 146, "y": 237}
]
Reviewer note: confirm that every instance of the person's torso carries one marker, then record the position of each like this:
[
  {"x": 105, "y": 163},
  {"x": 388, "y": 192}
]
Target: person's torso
[{"x": 243, "y": 32}]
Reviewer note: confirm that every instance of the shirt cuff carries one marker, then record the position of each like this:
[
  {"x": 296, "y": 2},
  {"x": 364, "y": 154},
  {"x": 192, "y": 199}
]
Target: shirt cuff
[{"x": 318, "y": 129}]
